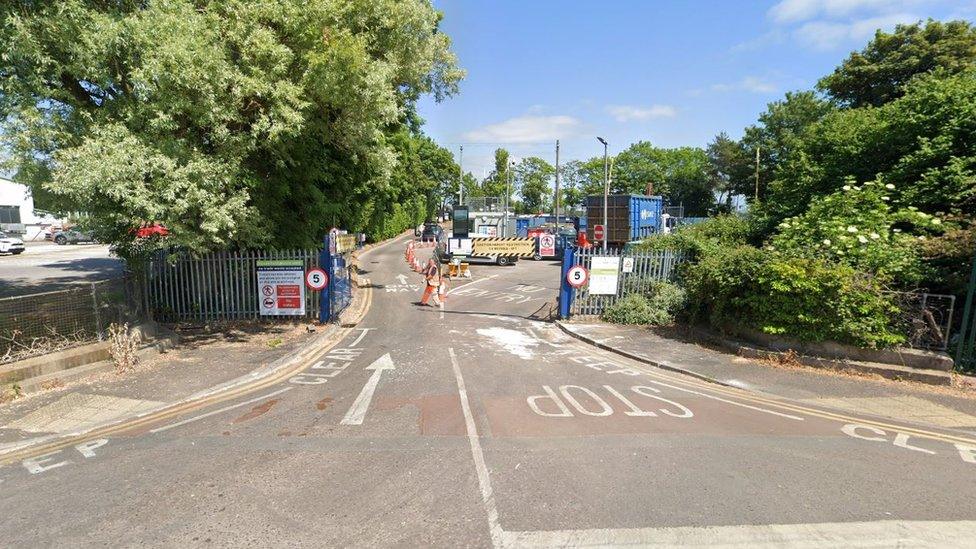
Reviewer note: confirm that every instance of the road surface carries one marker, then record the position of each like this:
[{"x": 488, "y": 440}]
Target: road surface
[
  {"x": 477, "y": 426},
  {"x": 45, "y": 267}
]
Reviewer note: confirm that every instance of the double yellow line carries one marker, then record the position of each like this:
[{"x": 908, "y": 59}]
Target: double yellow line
[
  {"x": 182, "y": 408},
  {"x": 747, "y": 396}
]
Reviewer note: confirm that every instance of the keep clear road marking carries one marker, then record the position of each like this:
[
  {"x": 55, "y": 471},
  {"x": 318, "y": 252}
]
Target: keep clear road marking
[
  {"x": 484, "y": 481},
  {"x": 220, "y": 411},
  {"x": 884, "y": 533},
  {"x": 357, "y": 413}
]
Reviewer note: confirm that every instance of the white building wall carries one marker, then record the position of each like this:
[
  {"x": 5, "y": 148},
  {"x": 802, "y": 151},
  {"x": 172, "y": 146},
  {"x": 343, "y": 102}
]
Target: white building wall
[{"x": 15, "y": 194}]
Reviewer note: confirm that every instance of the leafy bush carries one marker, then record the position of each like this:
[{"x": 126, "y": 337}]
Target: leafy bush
[
  {"x": 657, "y": 308},
  {"x": 799, "y": 298},
  {"x": 857, "y": 226},
  {"x": 701, "y": 238}
]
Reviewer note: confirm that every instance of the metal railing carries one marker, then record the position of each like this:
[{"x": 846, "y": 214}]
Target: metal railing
[
  {"x": 925, "y": 319},
  {"x": 649, "y": 267}
]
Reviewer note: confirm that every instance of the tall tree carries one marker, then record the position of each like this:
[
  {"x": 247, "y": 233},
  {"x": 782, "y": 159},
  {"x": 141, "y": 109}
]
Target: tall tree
[
  {"x": 534, "y": 176},
  {"x": 233, "y": 123},
  {"x": 878, "y": 73},
  {"x": 497, "y": 182},
  {"x": 732, "y": 169},
  {"x": 779, "y": 131}
]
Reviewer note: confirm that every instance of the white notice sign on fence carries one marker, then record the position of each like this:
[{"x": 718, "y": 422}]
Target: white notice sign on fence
[
  {"x": 281, "y": 287},
  {"x": 604, "y": 271}
]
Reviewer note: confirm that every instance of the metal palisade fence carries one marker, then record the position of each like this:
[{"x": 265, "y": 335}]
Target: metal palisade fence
[
  {"x": 219, "y": 285},
  {"x": 647, "y": 268}
]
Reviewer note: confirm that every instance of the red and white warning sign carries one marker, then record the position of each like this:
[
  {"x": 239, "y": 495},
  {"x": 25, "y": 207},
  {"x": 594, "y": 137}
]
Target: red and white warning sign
[
  {"x": 316, "y": 279},
  {"x": 547, "y": 245},
  {"x": 577, "y": 276},
  {"x": 281, "y": 286}
]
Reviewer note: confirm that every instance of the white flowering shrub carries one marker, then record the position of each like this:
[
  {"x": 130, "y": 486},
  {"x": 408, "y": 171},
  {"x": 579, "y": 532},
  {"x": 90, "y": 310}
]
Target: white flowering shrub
[{"x": 859, "y": 226}]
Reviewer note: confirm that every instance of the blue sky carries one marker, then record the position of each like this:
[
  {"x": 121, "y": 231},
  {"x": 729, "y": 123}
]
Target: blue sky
[{"x": 671, "y": 72}]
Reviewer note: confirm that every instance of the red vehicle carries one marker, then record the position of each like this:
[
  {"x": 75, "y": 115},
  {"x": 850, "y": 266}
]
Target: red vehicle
[{"x": 149, "y": 229}]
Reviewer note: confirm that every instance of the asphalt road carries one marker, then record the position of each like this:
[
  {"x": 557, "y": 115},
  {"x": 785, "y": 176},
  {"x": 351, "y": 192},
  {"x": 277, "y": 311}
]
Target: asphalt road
[
  {"x": 46, "y": 267},
  {"x": 477, "y": 426}
]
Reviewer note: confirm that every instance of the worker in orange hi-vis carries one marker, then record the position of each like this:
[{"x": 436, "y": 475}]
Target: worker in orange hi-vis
[{"x": 432, "y": 281}]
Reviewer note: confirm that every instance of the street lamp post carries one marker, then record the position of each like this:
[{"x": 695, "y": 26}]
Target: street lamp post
[
  {"x": 508, "y": 192},
  {"x": 606, "y": 191}
]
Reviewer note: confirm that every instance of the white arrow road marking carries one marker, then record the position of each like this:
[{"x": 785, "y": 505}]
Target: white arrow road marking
[
  {"x": 401, "y": 278},
  {"x": 357, "y": 413}
]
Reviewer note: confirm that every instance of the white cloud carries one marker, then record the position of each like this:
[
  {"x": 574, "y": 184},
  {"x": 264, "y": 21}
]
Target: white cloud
[
  {"x": 626, "y": 113},
  {"x": 795, "y": 11},
  {"x": 752, "y": 84},
  {"x": 526, "y": 129},
  {"x": 828, "y": 35}
]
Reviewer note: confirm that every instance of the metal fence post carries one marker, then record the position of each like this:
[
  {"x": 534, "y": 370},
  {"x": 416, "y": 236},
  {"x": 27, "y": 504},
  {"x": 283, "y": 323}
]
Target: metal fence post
[
  {"x": 98, "y": 323},
  {"x": 967, "y": 330}
]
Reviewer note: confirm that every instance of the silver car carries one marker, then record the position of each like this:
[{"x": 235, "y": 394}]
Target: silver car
[
  {"x": 10, "y": 244},
  {"x": 72, "y": 236}
]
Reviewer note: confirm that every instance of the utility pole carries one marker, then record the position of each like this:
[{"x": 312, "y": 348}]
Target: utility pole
[
  {"x": 508, "y": 192},
  {"x": 461, "y": 177},
  {"x": 757, "y": 172},
  {"x": 557, "y": 185}
]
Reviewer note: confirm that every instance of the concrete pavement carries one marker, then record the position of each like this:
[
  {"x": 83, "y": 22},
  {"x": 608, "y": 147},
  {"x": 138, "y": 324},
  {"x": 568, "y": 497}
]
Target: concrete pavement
[{"x": 473, "y": 425}]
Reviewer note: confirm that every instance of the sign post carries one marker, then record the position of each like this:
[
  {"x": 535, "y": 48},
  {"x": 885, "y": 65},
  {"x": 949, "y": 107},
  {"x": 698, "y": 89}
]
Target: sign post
[{"x": 281, "y": 287}]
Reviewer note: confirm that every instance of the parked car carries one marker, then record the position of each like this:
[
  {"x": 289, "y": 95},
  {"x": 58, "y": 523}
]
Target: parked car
[
  {"x": 150, "y": 229},
  {"x": 432, "y": 231},
  {"x": 10, "y": 244},
  {"x": 72, "y": 236}
]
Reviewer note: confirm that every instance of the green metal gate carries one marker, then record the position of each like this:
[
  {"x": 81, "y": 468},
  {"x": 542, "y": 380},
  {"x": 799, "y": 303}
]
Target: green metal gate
[{"x": 966, "y": 346}]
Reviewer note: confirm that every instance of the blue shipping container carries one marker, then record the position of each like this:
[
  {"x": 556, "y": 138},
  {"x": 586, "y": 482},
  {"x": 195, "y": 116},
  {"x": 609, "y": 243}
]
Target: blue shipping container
[{"x": 629, "y": 216}]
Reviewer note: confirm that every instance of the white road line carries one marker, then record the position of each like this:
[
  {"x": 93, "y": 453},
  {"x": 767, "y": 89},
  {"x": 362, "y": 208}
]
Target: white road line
[
  {"x": 489, "y": 277},
  {"x": 360, "y": 338},
  {"x": 220, "y": 411},
  {"x": 882, "y": 533},
  {"x": 484, "y": 481},
  {"x": 720, "y": 399},
  {"x": 357, "y": 412}
]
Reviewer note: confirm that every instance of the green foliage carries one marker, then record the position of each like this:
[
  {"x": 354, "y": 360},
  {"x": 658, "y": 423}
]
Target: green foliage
[
  {"x": 233, "y": 123},
  {"x": 532, "y": 177},
  {"x": 858, "y": 226},
  {"x": 878, "y": 73},
  {"x": 497, "y": 182},
  {"x": 922, "y": 143},
  {"x": 657, "y": 308},
  {"x": 682, "y": 175},
  {"x": 798, "y": 298},
  {"x": 700, "y": 239}
]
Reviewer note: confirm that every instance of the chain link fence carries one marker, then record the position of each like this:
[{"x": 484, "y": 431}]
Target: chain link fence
[{"x": 36, "y": 324}]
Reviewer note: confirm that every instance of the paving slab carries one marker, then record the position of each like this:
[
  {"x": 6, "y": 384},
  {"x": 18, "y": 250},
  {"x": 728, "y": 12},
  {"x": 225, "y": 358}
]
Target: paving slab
[{"x": 205, "y": 359}]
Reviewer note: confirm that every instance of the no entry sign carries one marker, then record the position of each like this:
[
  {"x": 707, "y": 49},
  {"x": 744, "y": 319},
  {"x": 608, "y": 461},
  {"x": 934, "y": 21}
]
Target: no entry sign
[
  {"x": 577, "y": 276},
  {"x": 598, "y": 232},
  {"x": 316, "y": 279}
]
